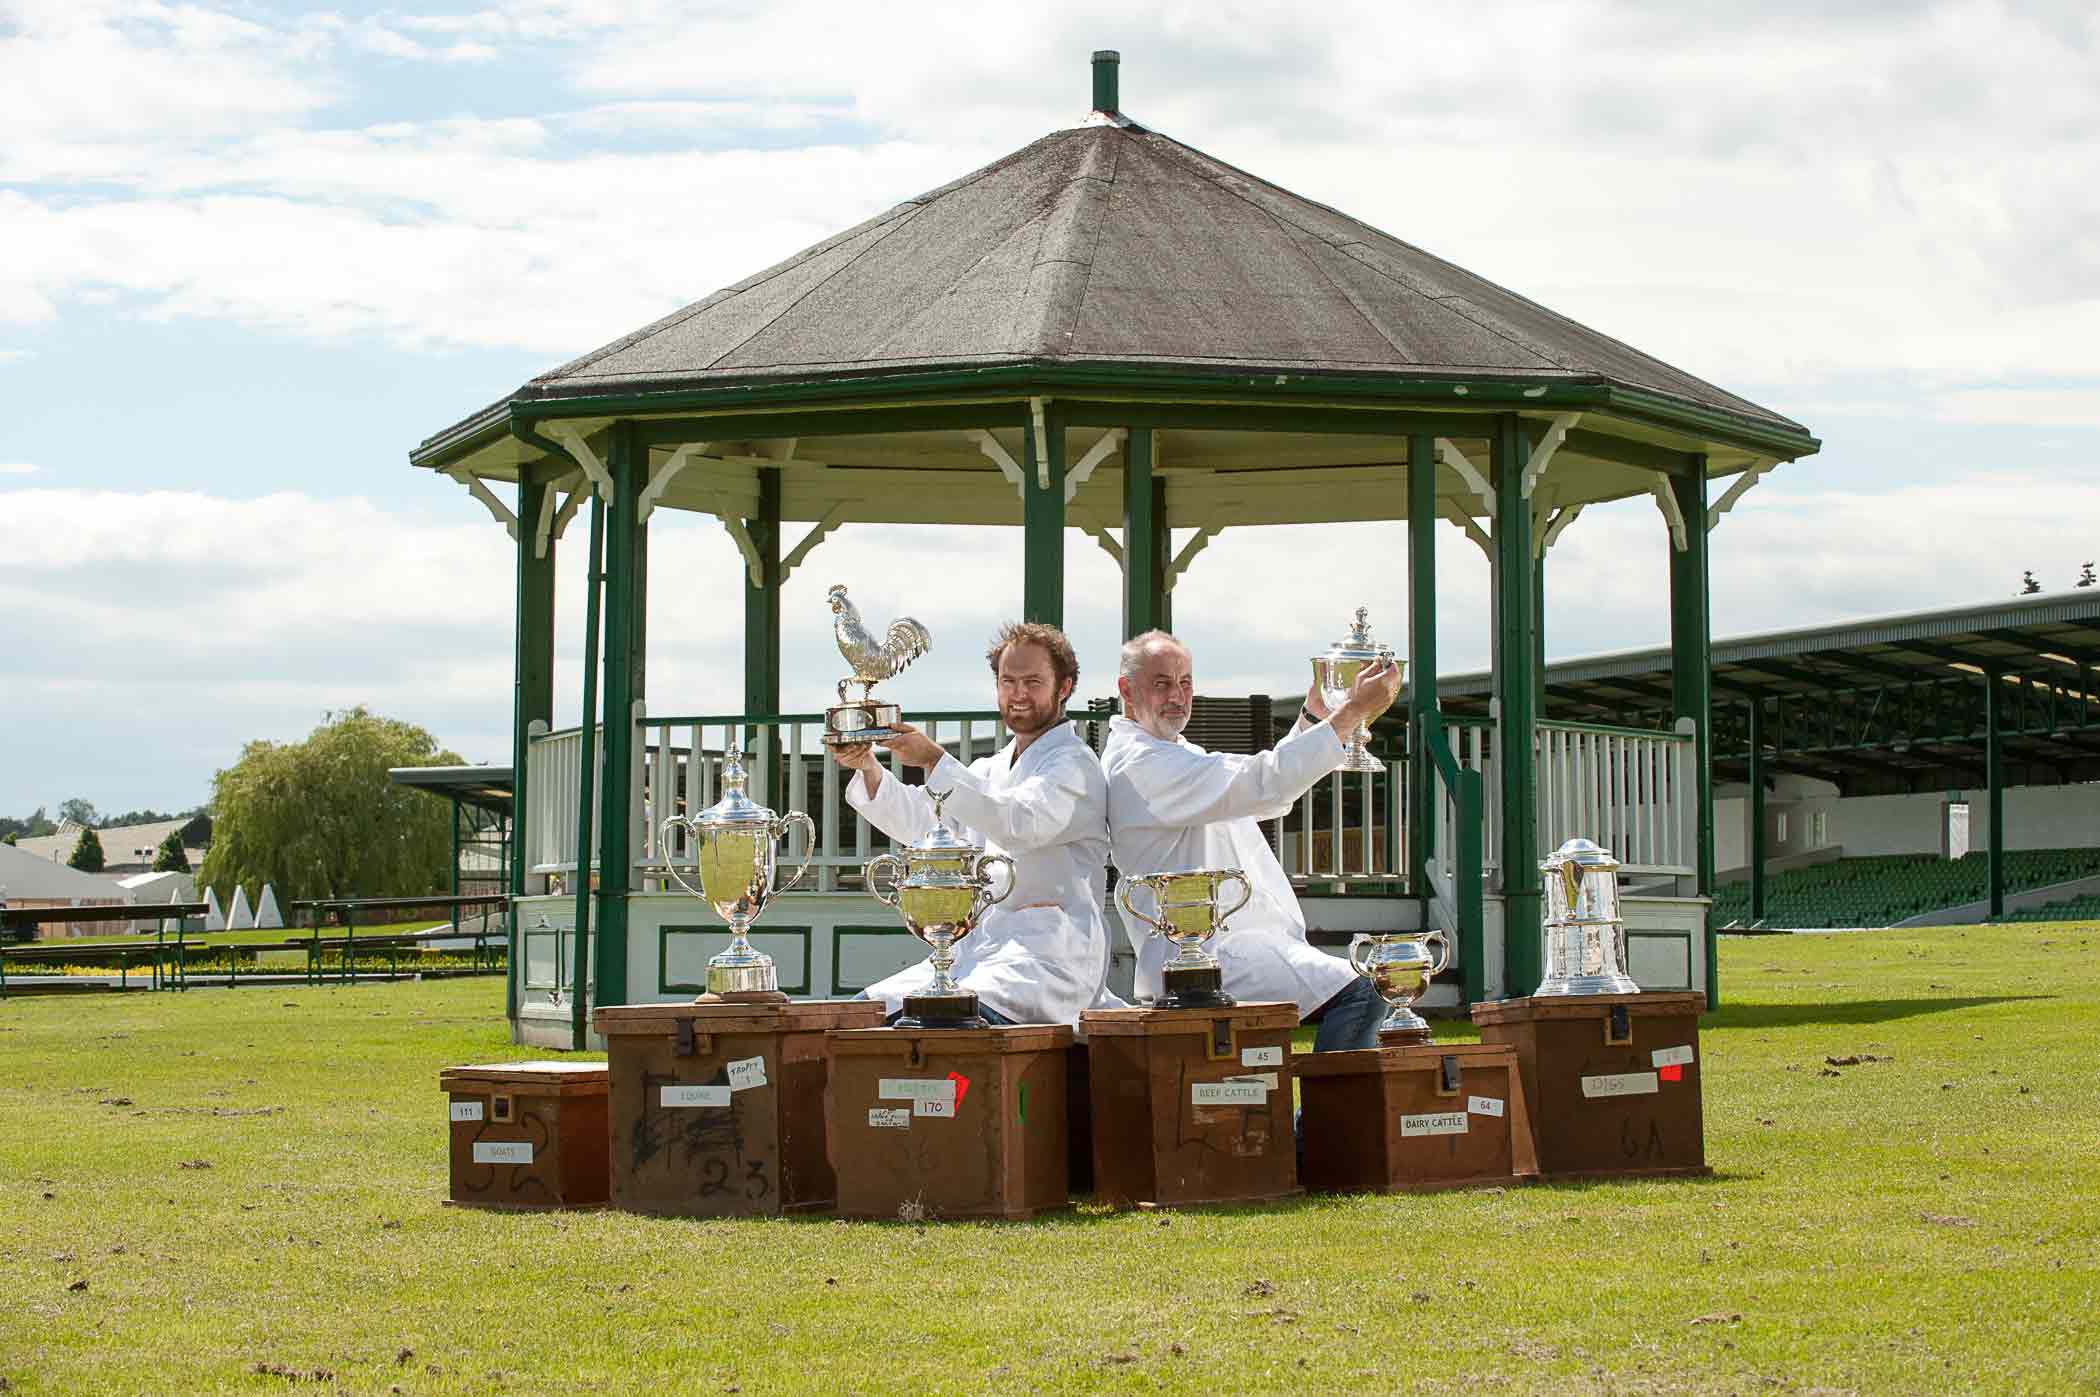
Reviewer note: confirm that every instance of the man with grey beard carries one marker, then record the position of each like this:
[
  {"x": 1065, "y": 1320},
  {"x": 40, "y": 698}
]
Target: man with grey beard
[{"x": 1173, "y": 806}]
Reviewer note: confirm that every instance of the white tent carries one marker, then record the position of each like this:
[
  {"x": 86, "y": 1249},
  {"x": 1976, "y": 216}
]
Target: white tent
[
  {"x": 30, "y": 879},
  {"x": 240, "y": 917},
  {"x": 157, "y": 889},
  {"x": 214, "y": 919},
  {"x": 267, "y": 917}
]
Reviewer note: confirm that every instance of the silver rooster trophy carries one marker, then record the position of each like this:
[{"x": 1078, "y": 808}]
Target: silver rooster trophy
[{"x": 860, "y": 720}]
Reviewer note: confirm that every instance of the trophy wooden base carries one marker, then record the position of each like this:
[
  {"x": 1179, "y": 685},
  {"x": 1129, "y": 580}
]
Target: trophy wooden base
[
  {"x": 950, "y": 1123},
  {"x": 1413, "y": 1119},
  {"x": 1404, "y": 1037},
  {"x": 742, "y": 997},
  {"x": 1194, "y": 987},
  {"x": 1611, "y": 1080},
  {"x": 941, "y": 1011},
  {"x": 527, "y": 1135},
  {"x": 1191, "y": 1105},
  {"x": 717, "y": 1109},
  {"x": 850, "y": 724}
]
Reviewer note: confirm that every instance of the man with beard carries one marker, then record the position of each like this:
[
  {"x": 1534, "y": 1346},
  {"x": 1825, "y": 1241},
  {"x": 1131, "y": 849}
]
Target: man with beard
[
  {"x": 1173, "y": 806},
  {"x": 1041, "y": 954}
]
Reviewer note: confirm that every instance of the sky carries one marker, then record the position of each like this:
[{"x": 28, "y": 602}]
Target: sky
[{"x": 250, "y": 255}]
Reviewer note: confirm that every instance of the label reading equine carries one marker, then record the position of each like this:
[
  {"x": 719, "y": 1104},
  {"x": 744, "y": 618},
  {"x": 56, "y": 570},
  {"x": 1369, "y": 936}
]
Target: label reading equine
[
  {"x": 1271, "y": 1056},
  {"x": 930, "y": 1106},
  {"x": 747, "y": 1072},
  {"x": 1484, "y": 1105},
  {"x": 889, "y": 1118},
  {"x": 916, "y": 1089},
  {"x": 503, "y": 1151},
  {"x": 466, "y": 1110},
  {"x": 1622, "y": 1084},
  {"x": 1229, "y": 1093},
  {"x": 695, "y": 1096},
  {"x": 1434, "y": 1123},
  {"x": 1671, "y": 1057}
]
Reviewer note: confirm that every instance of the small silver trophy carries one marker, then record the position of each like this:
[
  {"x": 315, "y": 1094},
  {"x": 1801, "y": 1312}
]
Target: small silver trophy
[
  {"x": 941, "y": 887},
  {"x": 1336, "y": 672},
  {"x": 736, "y": 842},
  {"x": 1188, "y": 915},
  {"x": 1400, "y": 966},
  {"x": 1585, "y": 948},
  {"x": 859, "y": 720}
]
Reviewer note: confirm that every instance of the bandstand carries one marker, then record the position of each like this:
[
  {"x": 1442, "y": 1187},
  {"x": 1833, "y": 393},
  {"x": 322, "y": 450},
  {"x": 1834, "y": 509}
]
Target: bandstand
[{"x": 1111, "y": 334}]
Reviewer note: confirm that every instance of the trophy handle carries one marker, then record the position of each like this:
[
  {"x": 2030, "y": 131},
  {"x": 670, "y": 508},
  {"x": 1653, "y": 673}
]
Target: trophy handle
[
  {"x": 1362, "y": 942},
  {"x": 881, "y": 863},
  {"x": 984, "y": 861},
  {"x": 1246, "y": 896},
  {"x": 1123, "y": 887},
  {"x": 680, "y": 822},
  {"x": 809, "y": 839},
  {"x": 1443, "y": 951}
]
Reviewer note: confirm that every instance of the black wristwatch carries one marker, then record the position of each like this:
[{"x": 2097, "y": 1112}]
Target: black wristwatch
[{"x": 1307, "y": 714}]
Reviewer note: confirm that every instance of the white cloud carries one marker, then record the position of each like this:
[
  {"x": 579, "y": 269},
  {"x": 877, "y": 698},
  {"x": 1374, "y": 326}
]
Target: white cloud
[{"x": 20, "y": 468}]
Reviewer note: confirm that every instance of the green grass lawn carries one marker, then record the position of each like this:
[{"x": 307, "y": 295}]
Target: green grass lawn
[{"x": 244, "y": 1191}]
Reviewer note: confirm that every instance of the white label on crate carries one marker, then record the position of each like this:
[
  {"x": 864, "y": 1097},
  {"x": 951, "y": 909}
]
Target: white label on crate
[
  {"x": 695, "y": 1096},
  {"x": 747, "y": 1072},
  {"x": 1271, "y": 1056},
  {"x": 1484, "y": 1105},
  {"x": 1672, "y": 1057},
  {"x": 916, "y": 1089},
  {"x": 466, "y": 1110},
  {"x": 889, "y": 1118},
  {"x": 1434, "y": 1123},
  {"x": 503, "y": 1151},
  {"x": 1622, "y": 1084},
  {"x": 1239, "y": 1093},
  {"x": 1267, "y": 1079},
  {"x": 934, "y": 1106}
]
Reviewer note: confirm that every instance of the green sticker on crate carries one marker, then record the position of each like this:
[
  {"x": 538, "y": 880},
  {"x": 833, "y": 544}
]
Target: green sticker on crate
[{"x": 1024, "y": 1103}]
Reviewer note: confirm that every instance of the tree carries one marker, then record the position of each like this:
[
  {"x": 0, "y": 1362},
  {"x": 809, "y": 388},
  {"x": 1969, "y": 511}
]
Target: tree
[
  {"x": 80, "y": 810},
  {"x": 8, "y": 838},
  {"x": 319, "y": 818},
  {"x": 2086, "y": 576},
  {"x": 2028, "y": 586},
  {"x": 171, "y": 858},
  {"x": 87, "y": 853}
]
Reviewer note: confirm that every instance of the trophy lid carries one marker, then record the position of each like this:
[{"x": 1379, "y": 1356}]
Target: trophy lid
[
  {"x": 1359, "y": 645},
  {"x": 940, "y": 839},
  {"x": 1571, "y": 866},
  {"x": 735, "y": 810}
]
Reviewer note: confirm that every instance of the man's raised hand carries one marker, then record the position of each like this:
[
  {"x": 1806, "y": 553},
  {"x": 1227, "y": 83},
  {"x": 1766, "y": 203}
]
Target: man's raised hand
[{"x": 914, "y": 748}]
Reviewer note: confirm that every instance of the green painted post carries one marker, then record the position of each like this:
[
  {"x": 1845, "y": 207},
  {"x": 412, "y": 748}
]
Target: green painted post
[
  {"x": 1516, "y": 693},
  {"x": 455, "y": 865},
  {"x": 532, "y": 691},
  {"x": 1538, "y": 635},
  {"x": 349, "y": 943},
  {"x": 1994, "y": 781},
  {"x": 1043, "y": 525},
  {"x": 1106, "y": 64},
  {"x": 762, "y": 628},
  {"x": 1757, "y": 811},
  {"x": 1162, "y": 546},
  {"x": 1691, "y": 676},
  {"x": 1144, "y": 560},
  {"x": 1423, "y": 719},
  {"x": 626, "y": 648},
  {"x": 586, "y": 780}
]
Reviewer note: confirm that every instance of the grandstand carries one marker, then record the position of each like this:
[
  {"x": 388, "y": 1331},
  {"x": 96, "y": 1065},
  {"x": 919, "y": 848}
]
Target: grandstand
[
  {"x": 1890, "y": 888},
  {"x": 2083, "y": 908}
]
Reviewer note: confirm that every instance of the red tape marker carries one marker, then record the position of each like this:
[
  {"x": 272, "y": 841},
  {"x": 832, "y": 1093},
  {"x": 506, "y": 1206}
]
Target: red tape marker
[
  {"x": 1673, "y": 1073},
  {"x": 962, "y": 1085}
]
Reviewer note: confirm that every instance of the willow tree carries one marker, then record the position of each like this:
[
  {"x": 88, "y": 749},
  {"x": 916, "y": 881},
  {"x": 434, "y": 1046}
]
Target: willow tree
[{"x": 320, "y": 818}]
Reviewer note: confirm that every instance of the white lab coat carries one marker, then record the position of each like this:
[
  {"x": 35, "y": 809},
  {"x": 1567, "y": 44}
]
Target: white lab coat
[
  {"x": 1173, "y": 806},
  {"x": 1041, "y": 955}
]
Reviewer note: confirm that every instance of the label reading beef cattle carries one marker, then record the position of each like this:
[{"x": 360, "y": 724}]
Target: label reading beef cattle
[
  {"x": 1434, "y": 1123},
  {"x": 1622, "y": 1084},
  {"x": 1240, "y": 1093}
]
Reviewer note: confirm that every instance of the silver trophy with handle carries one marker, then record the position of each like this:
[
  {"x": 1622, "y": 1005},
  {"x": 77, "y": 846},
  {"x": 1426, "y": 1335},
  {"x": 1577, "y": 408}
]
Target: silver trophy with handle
[
  {"x": 1186, "y": 911},
  {"x": 941, "y": 887}
]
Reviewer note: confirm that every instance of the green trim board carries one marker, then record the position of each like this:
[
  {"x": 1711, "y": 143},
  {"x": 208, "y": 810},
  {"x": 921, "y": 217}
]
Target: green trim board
[
  {"x": 840, "y": 986},
  {"x": 711, "y": 937},
  {"x": 1682, "y": 981}
]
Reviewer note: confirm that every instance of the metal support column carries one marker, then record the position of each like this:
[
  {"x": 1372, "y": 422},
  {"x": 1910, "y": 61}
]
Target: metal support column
[
  {"x": 1145, "y": 539},
  {"x": 762, "y": 630},
  {"x": 1043, "y": 522},
  {"x": 626, "y": 646},
  {"x": 532, "y": 697},
  {"x": 1422, "y": 716},
  {"x": 1757, "y": 811},
  {"x": 1994, "y": 780},
  {"x": 586, "y": 779},
  {"x": 1691, "y": 674},
  {"x": 1516, "y": 695}
]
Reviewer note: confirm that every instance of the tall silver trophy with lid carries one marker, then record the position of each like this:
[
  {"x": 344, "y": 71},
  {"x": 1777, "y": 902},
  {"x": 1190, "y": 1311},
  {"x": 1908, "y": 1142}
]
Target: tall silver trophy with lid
[
  {"x": 736, "y": 845},
  {"x": 941, "y": 886},
  {"x": 1336, "y": 672},
  {"x": 1585, "y": 941}
]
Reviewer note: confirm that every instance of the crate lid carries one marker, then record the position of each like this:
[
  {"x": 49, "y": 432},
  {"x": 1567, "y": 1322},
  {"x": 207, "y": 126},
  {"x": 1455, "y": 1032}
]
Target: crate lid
[
  {"x": 1153, "y": 1023},
  {"x": 1655, "y": 1004},
  {"x": 794, "y": 1016},
  {"x": 949, "y": 1042},
  {"x": 564, "y": 1078},
  {"x": 1408, "y": 1057}
]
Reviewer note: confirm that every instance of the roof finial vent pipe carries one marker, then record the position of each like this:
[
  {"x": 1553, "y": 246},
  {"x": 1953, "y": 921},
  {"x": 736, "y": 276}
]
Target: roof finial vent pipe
[{"x": 1106, "y": 97}]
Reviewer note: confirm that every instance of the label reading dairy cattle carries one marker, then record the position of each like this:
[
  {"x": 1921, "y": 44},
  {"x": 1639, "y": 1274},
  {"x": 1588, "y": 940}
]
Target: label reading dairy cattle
[
  {"x": 695, "y": 1096},
  {"x": 503, "y": 1151},
  {"x": 1621, "y": 1084},
  {"x": 1484, "y": 1105},
  {"x": 1671, "y": 1057},
  {"x": 1434, "y": 1123},
  {"x": 1271, "y": 1056},
  {"x": 916, "y": 1089},
  {"x": 1242, "y": 1093},
  {"x": 890, "y": 1118},
  {"x": 747, "y": 1072},
  {"x": 933, "y": 1106},
  {"x": 1267, "y": 1079},
  {"x": 466, "y": 1110}
]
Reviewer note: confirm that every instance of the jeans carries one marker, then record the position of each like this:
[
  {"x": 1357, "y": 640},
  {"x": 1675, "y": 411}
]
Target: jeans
[
  {"x": 984, "y": 1011},
  {"x": 1350, "y": 1019}
]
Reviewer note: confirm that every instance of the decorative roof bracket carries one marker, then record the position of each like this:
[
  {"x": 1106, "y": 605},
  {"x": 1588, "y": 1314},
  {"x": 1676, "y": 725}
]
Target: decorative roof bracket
[
  {"x": 1095, "y": 455},
  {"x": 1042, "y": 444},
  {"x": 585, "y": 457},
  {"x": 1447, "y": 451},
  {"x": 831, "y": 520},
  {"x": 1666, "y": 499},
  {"x": 1453, "y": 511},
  {"x": 578, "y": 487},
  {"x": 748, "y": 546},
  {"x": 1188, "y": 553},
  {"x": 1737, "y": 488},
  {"x": 1564, "y": 516},
  {"x": 665, "y": 473},
  {"x": 1542, "y": 454},
  {"x": 1001, "y": 457},
  {"x": 480, "y": 491},
  {"x": 1098, "y": 531}
]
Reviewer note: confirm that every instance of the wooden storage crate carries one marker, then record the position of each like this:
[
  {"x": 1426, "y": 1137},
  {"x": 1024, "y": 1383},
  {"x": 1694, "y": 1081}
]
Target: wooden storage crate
[
  {"x": 1413, "y": 1118},
  {"x": 527, "y": 1134},
  {"x": 1611, "y": 1080},
  {"x": 1191, "y": 1105},
  {"x": 718, "y": 1108},
  {"x": 950, "y": 1123}
]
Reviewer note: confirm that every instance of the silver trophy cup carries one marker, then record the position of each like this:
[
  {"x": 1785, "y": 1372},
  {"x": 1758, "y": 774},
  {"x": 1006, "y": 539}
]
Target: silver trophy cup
[
  {"x": 1400, "y": 966},
  {"x": 1585, "y": 943},
  {"x": 1336, "y": 673},
  {"x": 1187, "y": 913},
  {"x": 736, "y": 843},
  {"x": 941, "y": 887},
  {"x": 854, "y": 721}
]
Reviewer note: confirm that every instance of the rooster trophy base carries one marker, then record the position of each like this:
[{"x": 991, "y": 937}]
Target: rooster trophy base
[{"x": 854, "y": 721}]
